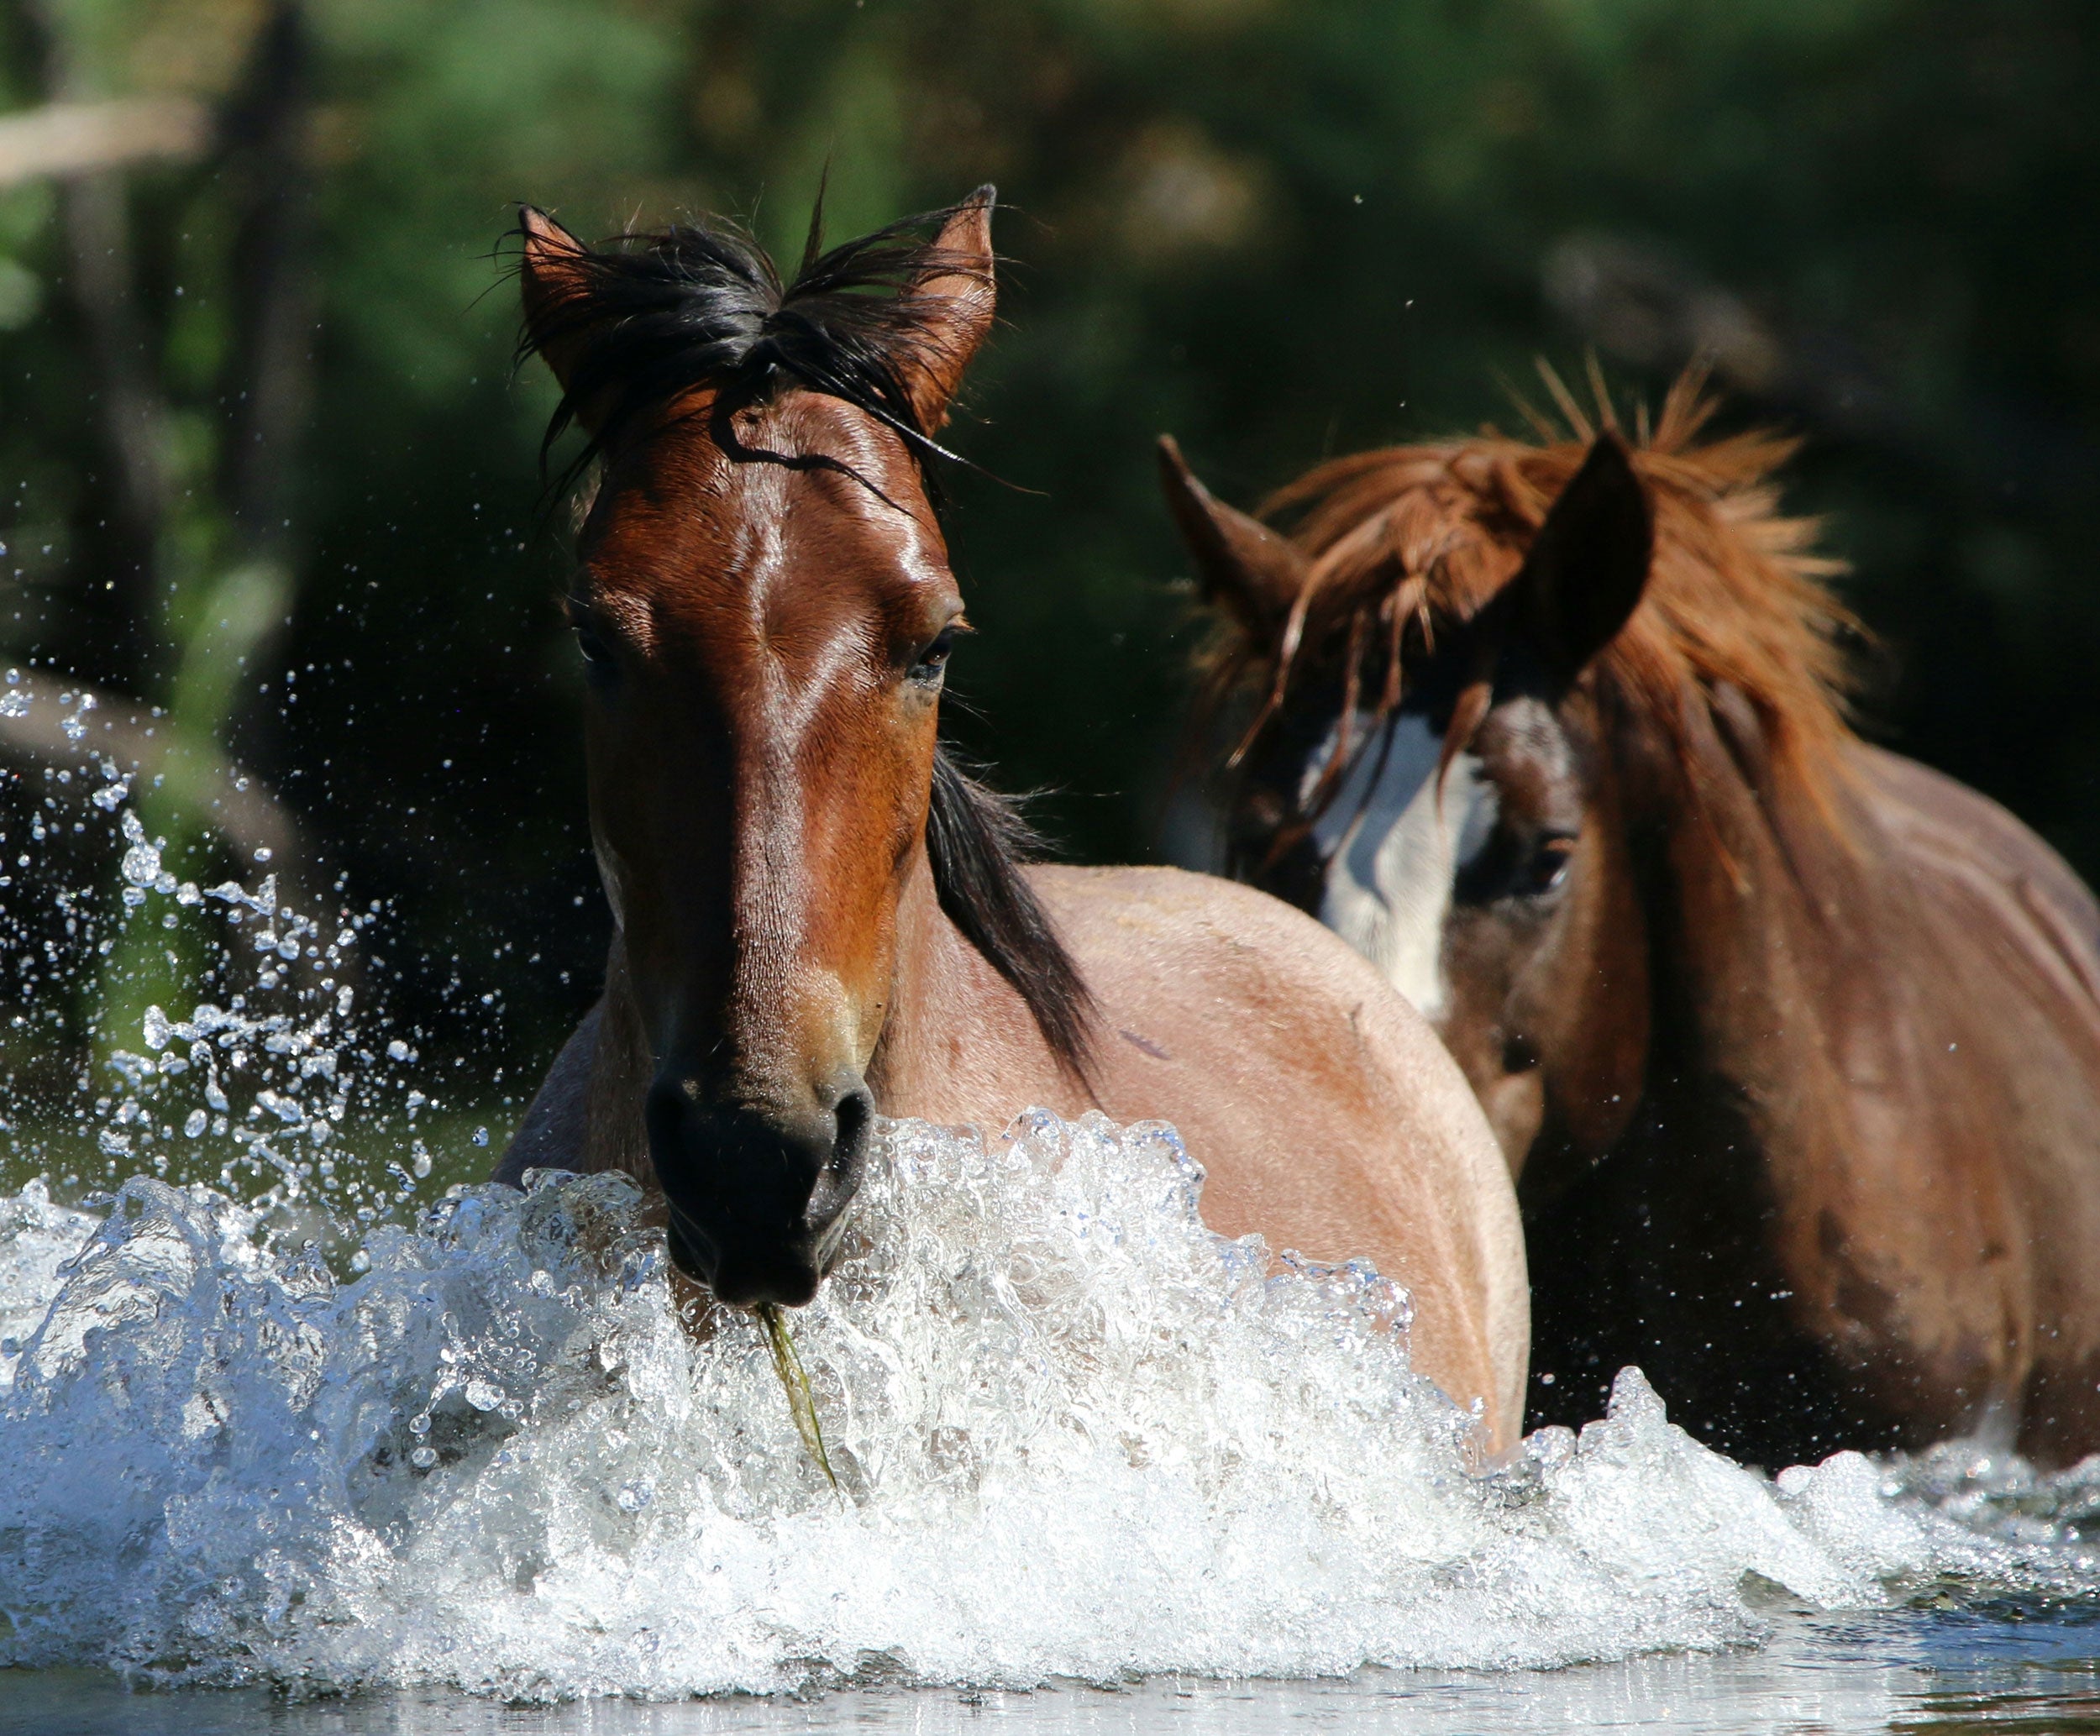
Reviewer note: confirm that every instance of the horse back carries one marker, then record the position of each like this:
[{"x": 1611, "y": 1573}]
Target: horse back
[
  {"x": 1960, "y": 838},
  {"x": 1328, "y": 1115}
]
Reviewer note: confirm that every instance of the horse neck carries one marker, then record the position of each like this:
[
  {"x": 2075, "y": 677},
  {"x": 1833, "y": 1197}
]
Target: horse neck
[
  {"x": 958, "y": 1044},
  {"x": 1768, "y": 922}
]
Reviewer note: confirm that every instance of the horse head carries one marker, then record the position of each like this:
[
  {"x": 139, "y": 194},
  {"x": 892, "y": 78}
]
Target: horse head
[
  {"x": 763, "y": 602},
  {"x": 1428, "y": 777}
]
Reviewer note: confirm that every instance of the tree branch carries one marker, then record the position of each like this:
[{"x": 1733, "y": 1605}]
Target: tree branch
[{"x": 61, "y": 140}]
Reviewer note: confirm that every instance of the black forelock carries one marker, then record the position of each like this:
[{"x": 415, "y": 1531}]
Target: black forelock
[{"x": 655, "y": 315}]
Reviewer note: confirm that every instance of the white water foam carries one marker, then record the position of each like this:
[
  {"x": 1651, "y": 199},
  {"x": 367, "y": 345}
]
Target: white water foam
[{"x": 1078, "y": 1434}]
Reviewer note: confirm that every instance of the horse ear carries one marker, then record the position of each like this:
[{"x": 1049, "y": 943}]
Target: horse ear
[
  {"x": 1242, "y": 566},
  {"x": 551, "y": 281},
  {"x": 1588, "y": 564},
  {"x": 956, "y": 295}
]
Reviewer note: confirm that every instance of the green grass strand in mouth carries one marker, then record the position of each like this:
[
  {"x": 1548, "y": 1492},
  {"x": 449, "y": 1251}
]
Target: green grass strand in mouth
[{"x": 796, "y": 1383}]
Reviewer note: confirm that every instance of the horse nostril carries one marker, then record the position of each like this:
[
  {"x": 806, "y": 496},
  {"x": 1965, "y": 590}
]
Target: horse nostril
[
  {"x": 664, "y": 1115},
  {"x": 757, "y": 1197},
  {"x": 853, "y": 1116}
]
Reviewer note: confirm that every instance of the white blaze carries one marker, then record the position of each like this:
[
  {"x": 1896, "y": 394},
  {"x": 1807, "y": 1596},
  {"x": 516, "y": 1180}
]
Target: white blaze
[{"x": 1392, "y": 859}]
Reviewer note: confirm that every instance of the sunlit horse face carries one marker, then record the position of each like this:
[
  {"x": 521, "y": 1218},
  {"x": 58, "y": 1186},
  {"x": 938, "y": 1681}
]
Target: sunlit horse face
[
  {"x": 764, "y": 636},
  {"x": 1487, "y": 877}
]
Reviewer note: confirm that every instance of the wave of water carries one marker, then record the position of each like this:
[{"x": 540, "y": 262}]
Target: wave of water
[{"x": 1078, "y": 1435}]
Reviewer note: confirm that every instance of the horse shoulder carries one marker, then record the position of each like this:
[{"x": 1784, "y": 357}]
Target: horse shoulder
[
  {"x": 586, "y": 1116},
  {"x": 1328, "y": 1115},
  {"x": 551, "y": 1134}
]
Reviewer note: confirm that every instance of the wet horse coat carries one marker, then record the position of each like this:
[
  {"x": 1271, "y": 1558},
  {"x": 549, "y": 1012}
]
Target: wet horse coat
[
  {"x": 1793, "y": 1043},
  {"x": 819, "y": 917}
]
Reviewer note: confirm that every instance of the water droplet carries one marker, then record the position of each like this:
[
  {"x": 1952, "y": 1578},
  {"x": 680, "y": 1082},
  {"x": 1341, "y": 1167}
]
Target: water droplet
[
  {"x": 193, "y": 1124},
  {"x": 423, "y": 1457},
  {"x": 141, "y": 865},
  {"x": 484, "y": 1395}
]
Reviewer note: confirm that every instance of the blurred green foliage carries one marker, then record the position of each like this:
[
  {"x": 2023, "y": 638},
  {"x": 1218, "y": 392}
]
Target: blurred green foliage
[{"x": 1279, "y": 230}]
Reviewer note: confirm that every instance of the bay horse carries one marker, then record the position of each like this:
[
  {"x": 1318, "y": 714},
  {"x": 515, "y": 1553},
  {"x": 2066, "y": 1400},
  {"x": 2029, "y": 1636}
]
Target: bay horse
[
  {"x": 819, "y": 916},
  {"x": 1793, "y": 1043}
]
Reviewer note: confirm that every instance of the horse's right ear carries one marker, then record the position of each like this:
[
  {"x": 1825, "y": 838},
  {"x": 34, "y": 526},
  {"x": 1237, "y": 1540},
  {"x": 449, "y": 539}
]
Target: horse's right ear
[
  {"x": 1242, "y": 566},
  {"x": 552, "y": 281},
  {"x": 957, "y": 295},
  {"x": 1588, "y": 564}
]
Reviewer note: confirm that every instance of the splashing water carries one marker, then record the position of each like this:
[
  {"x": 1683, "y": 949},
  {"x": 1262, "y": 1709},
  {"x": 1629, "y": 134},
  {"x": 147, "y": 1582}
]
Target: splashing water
[
  {"x": 1076, "y": 1434},
  {"x": 253, "y": 1088},
  {"x": 1080, "y": 1435}
]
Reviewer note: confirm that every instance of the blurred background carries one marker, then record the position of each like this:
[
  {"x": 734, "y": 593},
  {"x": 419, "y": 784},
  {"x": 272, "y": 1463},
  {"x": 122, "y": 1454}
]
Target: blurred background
[{"x": 269, "y": 490}]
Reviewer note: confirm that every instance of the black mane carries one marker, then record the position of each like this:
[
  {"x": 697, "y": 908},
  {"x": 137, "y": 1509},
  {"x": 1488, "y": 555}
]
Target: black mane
[
  {"x": 977, "y": 841},
  {"x": 657, "y": 315}
]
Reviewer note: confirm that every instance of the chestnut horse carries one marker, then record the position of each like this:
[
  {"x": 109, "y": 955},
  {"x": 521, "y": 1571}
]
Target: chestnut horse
[
  {"x": 819, "y": 917},
  {"x": 1793, "y": 1043}
]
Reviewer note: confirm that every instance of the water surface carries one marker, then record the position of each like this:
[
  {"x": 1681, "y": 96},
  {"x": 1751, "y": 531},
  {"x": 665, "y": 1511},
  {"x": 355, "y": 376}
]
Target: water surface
[{"x": 1914, "y": 1672}]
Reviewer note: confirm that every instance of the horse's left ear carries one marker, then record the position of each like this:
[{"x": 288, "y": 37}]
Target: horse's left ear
[
  {"x": 1243, "y": 568},
  {"x": 551, "y": 283},
  {"x": 1588, "y": 564},
  {"x": 956, "y": 296}
]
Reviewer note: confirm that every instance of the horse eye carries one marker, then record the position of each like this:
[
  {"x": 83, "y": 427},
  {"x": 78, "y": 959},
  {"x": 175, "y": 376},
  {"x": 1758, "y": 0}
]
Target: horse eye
[
  {"x": 597, "y": 655},
  {"x": 933, "y": 659},
  {"x": 1548, "y": 867}
]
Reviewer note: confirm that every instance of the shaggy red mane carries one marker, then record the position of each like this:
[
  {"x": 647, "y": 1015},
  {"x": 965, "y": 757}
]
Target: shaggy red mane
[{"x": 1408, "y": 540}]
